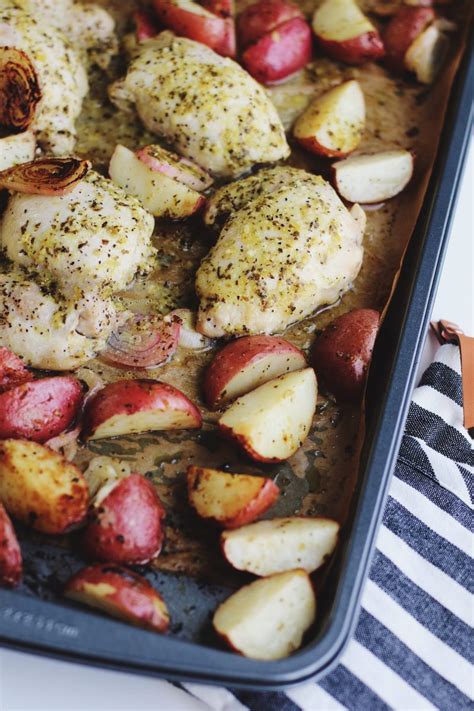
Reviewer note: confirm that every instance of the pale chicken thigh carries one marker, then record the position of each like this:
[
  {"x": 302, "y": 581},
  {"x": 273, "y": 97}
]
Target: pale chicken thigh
[
  {"x": 231, "y": 197},
  {"x": 45, "y": 332},
  {"x": 278, "y": 259},
  {"x": 88, "y": 28},
  {"x": 61, "y": 74},
  {"x": 93, "y": 239},
  {"x": 205, "y": 105}
]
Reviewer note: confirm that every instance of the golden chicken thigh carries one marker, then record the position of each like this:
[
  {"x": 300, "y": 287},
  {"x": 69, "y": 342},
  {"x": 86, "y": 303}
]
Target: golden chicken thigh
[
  {"x": 94, "y": 238},
  {"x": 284, "y": 254},
  {"x": 205, "y": 105}
]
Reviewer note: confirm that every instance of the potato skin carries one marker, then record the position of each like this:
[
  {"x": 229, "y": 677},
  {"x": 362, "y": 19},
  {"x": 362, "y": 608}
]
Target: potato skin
[
  {"x": 126, "y": 397},
  {"x": 41, "y": 488},
  {"x": 236, "y": 355},
  {"x": 12, "y": 370},
  {"x": 40, "y": 409},
  {"x": 120, "y": 593},
  {"x": 264, "y": 16},
  {"x": 402, "y": 30},
  {"x": 10, "y": 553},
  {"x": 126, "y": 526},
  {"x": 279, "y": 53},
  {"x": 358, "y": 50},
  {"x": 342, "y": 353},
  {"x": 216, "y": 32}
]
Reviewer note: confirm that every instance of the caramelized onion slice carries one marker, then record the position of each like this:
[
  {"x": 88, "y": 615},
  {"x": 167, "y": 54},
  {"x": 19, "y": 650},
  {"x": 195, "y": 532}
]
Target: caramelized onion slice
[
  {"x": 20, "y": 91},
  {"x": 45, "y": 176},
  {"x": 145, "y": 341}
]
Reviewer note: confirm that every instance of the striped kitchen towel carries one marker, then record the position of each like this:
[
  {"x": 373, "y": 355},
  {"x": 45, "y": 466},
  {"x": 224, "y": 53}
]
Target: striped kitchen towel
[{"x": 412, "y": 648}]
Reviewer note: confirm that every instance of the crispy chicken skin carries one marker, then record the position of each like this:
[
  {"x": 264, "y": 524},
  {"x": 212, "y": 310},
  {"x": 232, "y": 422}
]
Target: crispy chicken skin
[
  {"x": 205, "y": 105},
  {"x": 60, "y": 71},
  {"x": 285, "y": 253},
  {"x": 43, "y": 330},
  {"x": 94, "y": 238}
]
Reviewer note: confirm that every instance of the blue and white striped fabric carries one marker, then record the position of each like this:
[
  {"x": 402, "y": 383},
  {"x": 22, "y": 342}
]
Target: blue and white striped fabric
[{"x": 412, "y": 648}]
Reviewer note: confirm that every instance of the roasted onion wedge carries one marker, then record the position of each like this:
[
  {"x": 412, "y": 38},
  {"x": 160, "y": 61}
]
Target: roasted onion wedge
[
  {"x": 45, "y": 176},
  {"x": 20, "y": 91},
  {"x": 145, "y": 341}
]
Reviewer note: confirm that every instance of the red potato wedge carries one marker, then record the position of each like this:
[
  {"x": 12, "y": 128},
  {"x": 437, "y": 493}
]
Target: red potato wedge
[
  {"x": 189, "y": 338},
  {"x": 144, "y": 341},
  {"x": 40, "y": 409},
  {"x": 12, "y": 370},
  {"x": 333, "y": 124},
  {"x": 272, "y": 422},
  {"x": 269, "y": 547},
  {"x": 125, "y": 522},
  {"x": 11, "y": 565},
  {"x": 146, "y": 25},
  {"x": 425, "y": 56},
  {"x": 174, "y": 166},
  {"x": 373, "y": 178},
  {"x": 268, "y": 618},
  {"x": 246, "y": 363},
  {"x": 231, "y": 500},
  {"x": 345, "y": 33},
  {"x": 189, "y": 19},
  {"x": 159, "y": 194},
  {"x": 130, "y": 406},
  {"x": 280, "y": 53},
  {"x": 263, "y": 17},
  {"x": 343, "y": 351},
  {"x": 40, "y": 488},
  {"x": 120, "y": 593},
  {"x": 402, "y": 31},
  {"x": 19, "y": 148}
]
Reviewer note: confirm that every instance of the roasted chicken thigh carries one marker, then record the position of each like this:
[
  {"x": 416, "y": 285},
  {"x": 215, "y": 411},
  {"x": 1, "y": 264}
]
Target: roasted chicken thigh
[
  {"x": 280, "y": 256},
  {"x": 205, "y": 105},
  {"x": 94, "y": 238},
  {"x": 87, "y": 27},
  {"x": 43, "y": 330},
  {"x": 61, "y": 74}
]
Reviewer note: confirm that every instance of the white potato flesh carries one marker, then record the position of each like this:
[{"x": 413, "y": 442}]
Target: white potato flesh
[
  {"x": 16, "y": 149},
  {"x": 269, "y": 547},
  {"x": 267, "y": 368},
  {"x": 159, "y": 194},
  {"x": 267, "y": 619},
  {"x": 274, "y": 419},
  {"x": 426, "y": 54},
  {"x": 340, "y": 20},
  {"x": 145, "y": 421},
  {"x": 222, "y": 495},
  {"x": 335, "y": 120},
  {"x": 373, "y": 178}
]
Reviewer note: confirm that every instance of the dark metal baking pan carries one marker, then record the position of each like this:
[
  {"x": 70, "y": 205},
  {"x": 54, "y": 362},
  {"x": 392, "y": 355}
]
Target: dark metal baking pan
[{"x": 35, "y": 618}]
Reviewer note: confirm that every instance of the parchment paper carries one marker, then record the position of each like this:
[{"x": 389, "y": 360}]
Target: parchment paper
[{"x": 320, "y": 477}]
